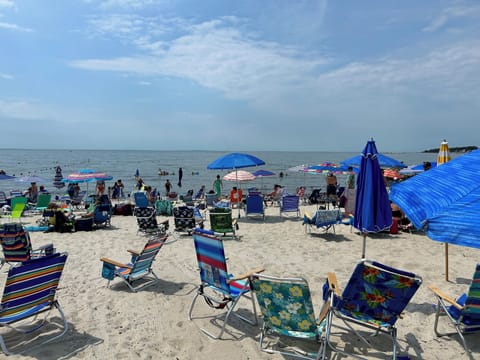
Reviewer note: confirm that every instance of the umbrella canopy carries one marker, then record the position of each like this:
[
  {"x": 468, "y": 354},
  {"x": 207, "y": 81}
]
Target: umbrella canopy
[
  {"x": 372, "y": 206},
  {"x": 31, "y": 179},
  {"x": 235, "y": 161},
  {"x": 86, "y": 175},
  {"x": 239, "y": 175},
  {"x": 263, "y": 173},
  {"x": 445, "y": 200},
  {"x": 383, "y": 160},
  {"x": 443, "y": 153},
  {"x": 6, "y": 177}
]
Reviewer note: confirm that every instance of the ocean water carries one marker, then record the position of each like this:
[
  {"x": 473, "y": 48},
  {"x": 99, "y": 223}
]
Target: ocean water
[{"x": 122, "y": 164}]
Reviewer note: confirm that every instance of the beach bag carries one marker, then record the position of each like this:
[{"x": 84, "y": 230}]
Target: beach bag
[{"x": 85, "y": 224}]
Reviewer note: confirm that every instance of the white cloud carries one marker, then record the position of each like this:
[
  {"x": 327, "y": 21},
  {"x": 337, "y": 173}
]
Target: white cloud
[
  {"x": 7, "y": 4},
  {"x": 15, "y": 27},
  {"x": 6, "y": 76},
  {"x": 451, "y": 13},
  {"x": 132, "y": 4}
]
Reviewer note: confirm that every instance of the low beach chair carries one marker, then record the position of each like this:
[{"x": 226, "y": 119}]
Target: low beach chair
[
  {"x": 287, "y": 312},
  {"x": 463, "y": 313},
  {"x": 325, "y": 219},
  {"x": 220, "y": 290},
  {"x": 140, "y": 199},
  {"x": 29, "y": 291},
  {"x": 254, "y": 206},
  {"x": 102, "y": 214},
  {"x": 138, "y": 270},
  {"x": 147, "y": 221},
  {"x": 16, "y": 245},
  {"x": 290, "y": 204},
  {"x": 222, "y": 222},
  {"x": 43, "y": 200},
  {"x": 184, "y": 219},
  {"x": 375, "y": 297}
]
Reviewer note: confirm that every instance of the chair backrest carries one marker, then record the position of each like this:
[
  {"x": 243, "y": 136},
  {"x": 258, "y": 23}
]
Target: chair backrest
[
  {"x": 15, "y": 242},
  {"x": 290, "y": 203},
  {"x": 43, "y": 200},
  {"x": 17, "y": 210},
  {"x": 102, "y": 213},
  {"x": 200, "y": 193},
  {"x": 18, "y": 200},
  {"x": 236, "y": 196},
  {"x": 327, "y": 217},
  {"x": 146, "y": 217},
  {"x": 277, "y": 296},
  {"x": 472, "y": 303},
  {"x": 144, "y": 260},
  {"x": 184, "y": 217},
  {"x": 164, "y": 207},
  {"x": 141, "y": 199},
  {"x": 3, "y": 198},
  {"x": 210, "y": 199},
  {"x": 254, "y": 204},
  {"x": 221, "y": 220},
  {"x": 211, "y": 260},
  {"x": 379, "y": 291},
  {"x": 31, "y": 284}
]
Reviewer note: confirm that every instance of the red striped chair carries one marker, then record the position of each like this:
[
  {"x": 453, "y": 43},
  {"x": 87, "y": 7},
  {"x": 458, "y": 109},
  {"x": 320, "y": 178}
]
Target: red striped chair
[
  {"x": 29, "y": 291},
  {"x": 219, "y": 289}
]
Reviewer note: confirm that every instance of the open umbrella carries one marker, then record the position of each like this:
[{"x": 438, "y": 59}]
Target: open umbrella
[
  {"x": 372, "y": 206},
  {"x": 445, "y": 201},
  {"x": 239, "y": 176},
  {"x": 235, "y": 161},
  {"x": 31, "y": 179},
  {"x": 263, "y": 173},
  {"x": 383, "y": 160},
  {"x": 6, "y": 177}
]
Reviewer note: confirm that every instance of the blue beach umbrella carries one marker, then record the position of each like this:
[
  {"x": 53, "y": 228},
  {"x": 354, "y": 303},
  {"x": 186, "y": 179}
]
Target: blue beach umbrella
[
  {"x": 6, "y": 177},
  {"x": 383, "y": 160},
  {"x": 234, "y": 161},
  {"x": 263, "y": 173},
  {"x": 31, "y": 179},
  {"x": 372, "y": 205}
]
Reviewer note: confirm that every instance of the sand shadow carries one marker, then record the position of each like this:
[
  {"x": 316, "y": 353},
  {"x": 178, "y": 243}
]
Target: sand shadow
[
  {"x": 161, "y": 286},
  {"x": 329, "y": 236},
  {"x": 66, "y": 347}
]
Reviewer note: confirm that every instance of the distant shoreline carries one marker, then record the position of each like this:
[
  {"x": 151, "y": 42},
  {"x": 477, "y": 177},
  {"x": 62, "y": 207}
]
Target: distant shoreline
[{"x": 461, "y": 149}]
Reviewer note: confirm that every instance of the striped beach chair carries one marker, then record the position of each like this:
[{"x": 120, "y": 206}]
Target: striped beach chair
[
  {"x": 464, "y": 312},
  {"x": 29, "y": 291},
  {"x": 219, "y": 289},
  {"x": 139, "y": 267}
]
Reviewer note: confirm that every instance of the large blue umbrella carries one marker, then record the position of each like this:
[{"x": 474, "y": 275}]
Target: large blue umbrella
[
  {"x": 234, "y": 161},
  {"x": 383, "y": 160},
  {"x": 6, "y": 177},
  {"x": 372, "y": 206},
  {"x": 444, "y": 201}
]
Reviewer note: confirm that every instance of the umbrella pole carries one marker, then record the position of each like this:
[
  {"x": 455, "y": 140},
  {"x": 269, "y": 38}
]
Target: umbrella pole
[
  {"x": 364, "y": 245},
  {"x": 446, "y": 261}
]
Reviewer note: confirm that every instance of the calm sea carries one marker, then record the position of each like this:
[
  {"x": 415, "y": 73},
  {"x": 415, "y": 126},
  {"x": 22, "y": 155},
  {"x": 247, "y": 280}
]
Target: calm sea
[{"x": 122, "y": 164}]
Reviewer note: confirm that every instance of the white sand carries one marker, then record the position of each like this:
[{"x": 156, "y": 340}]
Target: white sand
[{"x": 114, "y": 323}]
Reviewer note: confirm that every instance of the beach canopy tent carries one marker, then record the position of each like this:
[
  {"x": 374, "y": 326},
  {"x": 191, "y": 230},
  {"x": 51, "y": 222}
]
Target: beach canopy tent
[
  {"x": 383, "y": 160},
  {"x": 444, "y": 201}
]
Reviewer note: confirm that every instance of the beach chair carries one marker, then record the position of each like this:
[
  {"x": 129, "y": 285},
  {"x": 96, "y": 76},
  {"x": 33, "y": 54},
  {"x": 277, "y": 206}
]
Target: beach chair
[
  {"x": 254, "y": 206},
  {"x": 141, "y": 199},
  {"x": 42, "y": 202},
  {"x": 16, "y": 245},
  {"x": 325, "y": 219},
  {"x": 164, "y": 207},
  {"x": 3, "y": 199},
  {"x": 76, "y": 200},
  {"x": 210, "y": 199},
  {"x": 30, "y": 291},
  {"x": 184, "y": 219},
  {"x": 138, "y": 270},
  {"x": 288, "y": 313},
  {"x": 374, "y": 298},
  {"x": 222, "y": 222},
  {"x": 220, "y": 290},
  {"x": 102, "y": 214},
  {"x": 463, "y": 313},
  {"x": 17, "y": 210},
  {"x": 200, "y": 196},
  {"x": 290, "y": 204},
  {"x": 147, "y": 221}
]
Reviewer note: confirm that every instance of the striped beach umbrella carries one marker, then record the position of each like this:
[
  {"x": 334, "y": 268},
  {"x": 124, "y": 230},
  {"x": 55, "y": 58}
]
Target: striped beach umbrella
[
  {"x": 443, "y": 153},
  {"x": 239, "y": 175}
]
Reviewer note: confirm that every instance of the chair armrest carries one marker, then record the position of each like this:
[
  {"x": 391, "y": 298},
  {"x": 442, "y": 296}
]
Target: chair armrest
[
  {"x": 116, "y": 263},
  {"x": 333, "y": 283},
  {"x": 134, "y": 252},
  {"x": 246, "y": 275},
  {"x": 445, "y": 297}
]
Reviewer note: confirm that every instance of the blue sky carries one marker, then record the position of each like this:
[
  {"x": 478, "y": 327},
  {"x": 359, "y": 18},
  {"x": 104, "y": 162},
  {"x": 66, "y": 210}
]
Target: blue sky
[{"x": 239, "y": 75}]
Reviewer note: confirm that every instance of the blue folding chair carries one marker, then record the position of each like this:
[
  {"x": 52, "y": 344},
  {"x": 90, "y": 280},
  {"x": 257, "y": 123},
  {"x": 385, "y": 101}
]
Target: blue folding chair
[
  {"x": 254, "y": 206},
  {"x": 325, "y": 219},
  {"x": 290, "y": 204},
  {"x": 29, "y": 291},
  {"x": 219, "y": 289}
]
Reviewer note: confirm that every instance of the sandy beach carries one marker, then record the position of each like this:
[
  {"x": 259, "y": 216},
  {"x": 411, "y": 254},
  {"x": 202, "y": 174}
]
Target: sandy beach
[{"x": 114, "y": 323}]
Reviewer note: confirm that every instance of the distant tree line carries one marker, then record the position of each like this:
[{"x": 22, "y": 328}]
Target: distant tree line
[{"x": 460, "y": 149}]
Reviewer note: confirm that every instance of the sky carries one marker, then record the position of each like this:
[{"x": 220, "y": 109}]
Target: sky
[{"x": 242, "y": 75}]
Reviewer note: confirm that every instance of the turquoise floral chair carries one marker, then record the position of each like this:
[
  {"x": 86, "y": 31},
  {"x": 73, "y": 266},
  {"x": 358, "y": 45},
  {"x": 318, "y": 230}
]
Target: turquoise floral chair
[
  {"x": 287, "y": 312},
  {"x": 374, "y": 298}
]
